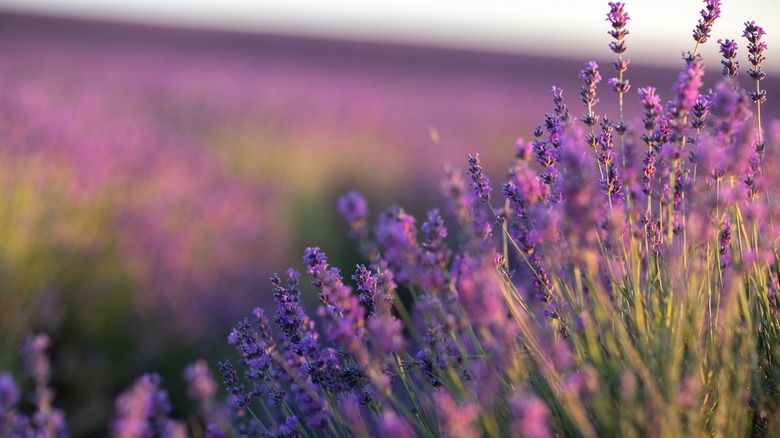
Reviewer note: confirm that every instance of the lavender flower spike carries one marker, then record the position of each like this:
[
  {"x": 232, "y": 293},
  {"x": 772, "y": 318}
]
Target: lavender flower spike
[
  {"x": 709, "y": 14},
  {"x": 618, "y": 18},
  {"x": 756, "y": 47},
  {"x": 728, "y": 48},
  {"x": 479, "y": 181}
]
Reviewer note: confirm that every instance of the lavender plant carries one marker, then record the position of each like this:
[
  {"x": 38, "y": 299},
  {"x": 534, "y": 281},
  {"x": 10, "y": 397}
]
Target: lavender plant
[{"x": 605, "y": 295}]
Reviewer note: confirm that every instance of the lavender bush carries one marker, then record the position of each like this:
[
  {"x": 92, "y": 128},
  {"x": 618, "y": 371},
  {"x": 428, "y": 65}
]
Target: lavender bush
[
  {"x": 625, "y": 284},
  {"x": 622, "y": 282}
]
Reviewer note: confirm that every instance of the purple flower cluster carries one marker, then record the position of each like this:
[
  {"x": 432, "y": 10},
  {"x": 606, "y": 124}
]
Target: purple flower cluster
[
  {"x": 479, "y": 181},
  {"x": 728, "y": 48},
  {"x": 439, "y": 330},
  {"x": 143, "y": 411},
  {"x": 709, "y": 14}
]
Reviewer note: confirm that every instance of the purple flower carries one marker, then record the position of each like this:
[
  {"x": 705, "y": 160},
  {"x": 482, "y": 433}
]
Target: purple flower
[
  {"x": 367, "y": 284},
  {"x": 560, "y": 108},
  {"x": 728, "y": 48},
  {"x": 756, "y": 47},
  {"x": 311, "y": 404},
  {"x": 725, "y": 241},
  {"x": 393, "y": 426},
  {"x": 436, "y": 256},
  {"x": 619, "y": 86},
  {"x": 709, "y": 14},
  {"x": 478, "y": 289},
  {"x": 439, "y": 352},
  {"x": 590, "y": 75},
  {"x": 547, "y": 154},
  {"x": 288, "y": 429},
  {"x": 618, "y": 19},
  {"x": 655, "y": 235},
  {"x": 752, "y": 175},
  {"x": 479, "y": 181},
  {"x": 254, "y": 355},
  {"x": 456, "y": 420},
  {"x": 529, "y": 415},
  {"x": 653, "y": 120},
  {"x": 610, "y": 181},
  {"x": 201, "y": 385},
  {"x": 687, "y": 86},
  {"x": 388, "y": 334},
  {"x": 700, "y": 110},
  {"x": 344, "y": 317},
  {"x": 354, "y": 209},
  {"x": 648, "y": 170},
  {"x": 9, "y": 393},
  {"x": 238, "y": 397},
  {"x": 397, "y": 234},
  {"x": 454, "y": 189},
  {"x": 36, "y": 361},
  {"x": 142, "y": 411}
]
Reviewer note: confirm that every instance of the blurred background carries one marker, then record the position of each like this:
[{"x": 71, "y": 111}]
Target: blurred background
[{"x": 159, "y": 160}]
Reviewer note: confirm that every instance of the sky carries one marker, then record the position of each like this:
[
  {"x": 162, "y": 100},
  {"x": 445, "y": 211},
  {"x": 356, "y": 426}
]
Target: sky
[{"x": 659, "y": 29}]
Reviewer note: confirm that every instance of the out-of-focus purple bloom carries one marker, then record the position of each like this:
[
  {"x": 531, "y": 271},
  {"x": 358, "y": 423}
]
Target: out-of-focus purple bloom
[
  {"x": 687, "y": 87},
  {"x": 213, "y": 431},
  {"x": 9, "y": 393},
  {"x": 479, "y": 181},
  {"x": 354, "y": 209},
  {"x": 436, "y": 255},
  {"x": 46, "y": 420},
  {"x": 728, "y": 48},
  {"x": 454, "y": 189},
  {"x": 142, "y": 411},
  {"x": 478, "y": 289},
  {"x": 288, "y": 429},
  {"x": 201, "y": 386},
  {"x": 397, "y": 234},
  {"x": 529, "y": 414},
  {"x": 456, "y": 420},
  {"x": 709, "y": 14},
  {"x": 36, "y": 361},
  {"x": 686, "y": 91},
  {"x": 388, "y": 334},
  {"x": 439, "y": 352},
  {"x": 311, "y": 404},
  {"x": 393, "y": 426}
]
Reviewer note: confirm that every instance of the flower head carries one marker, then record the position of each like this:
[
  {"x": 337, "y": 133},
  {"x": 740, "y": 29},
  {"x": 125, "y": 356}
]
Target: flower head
[
  {"x": 709, "y": 14},
  {"x": 479, "y": 181}
]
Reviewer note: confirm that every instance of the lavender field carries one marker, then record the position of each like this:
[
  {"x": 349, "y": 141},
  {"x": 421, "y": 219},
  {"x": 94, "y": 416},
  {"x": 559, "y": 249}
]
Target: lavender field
[{"x": 611, "y": 245}]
